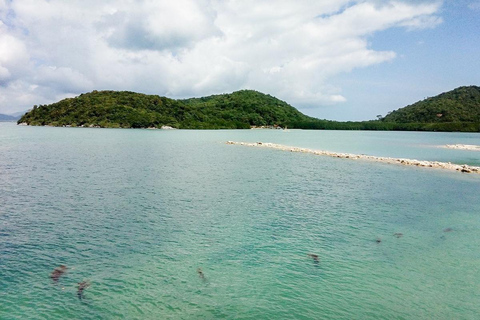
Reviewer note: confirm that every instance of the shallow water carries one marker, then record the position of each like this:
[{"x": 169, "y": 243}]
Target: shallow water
[{"x": 137, "y": 212}]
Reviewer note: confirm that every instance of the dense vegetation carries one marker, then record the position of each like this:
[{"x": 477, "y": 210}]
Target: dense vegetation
[
  {"x": 241, "y": 109},
  {"x": 247, "y": 108},
  {"x": 457, "y": 110},
  {"x": 392, "y": 126},
  {"x": 459, "y": 105}
]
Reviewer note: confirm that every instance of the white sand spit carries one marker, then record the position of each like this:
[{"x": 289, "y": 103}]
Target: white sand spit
[
  {"x": 408, "y": 162},
  {"x": 463, "y": 147}
]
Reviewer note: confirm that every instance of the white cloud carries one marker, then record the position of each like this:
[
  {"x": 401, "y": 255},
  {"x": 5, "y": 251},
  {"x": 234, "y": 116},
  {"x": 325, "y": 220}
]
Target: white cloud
[
  {"x": 52, "y": 49},
  {"x": 422, "y": 22},
  {"x": 13, "y": 56},
  {"x": 63, "y": 78},
  {"x": 159, "y": 25}
]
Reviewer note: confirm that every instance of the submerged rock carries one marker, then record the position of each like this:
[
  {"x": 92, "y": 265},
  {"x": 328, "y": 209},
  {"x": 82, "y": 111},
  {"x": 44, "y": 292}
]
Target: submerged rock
[
  {"x": 314, "y": 257},
  {"x": 58, "y": 272},
  {"x": 81, "y": 287},
  {"x": 200, "y": 273}
]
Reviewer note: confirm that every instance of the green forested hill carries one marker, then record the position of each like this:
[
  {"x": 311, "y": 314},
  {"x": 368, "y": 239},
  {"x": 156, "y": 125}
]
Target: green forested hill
[
  {"x": 459, "y": 105},
  {"x": 248, "y": 107},
  {"x": 240, "y": 109},
  {"x": 456, "y": 110}
]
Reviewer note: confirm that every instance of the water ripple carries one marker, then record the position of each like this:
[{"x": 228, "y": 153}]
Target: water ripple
[{"x": 136, "y": 214}]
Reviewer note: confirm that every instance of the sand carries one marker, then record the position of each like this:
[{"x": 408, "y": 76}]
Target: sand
[
  {"x": 463, "y": 147},
  {"x": 407, "y": 162}
]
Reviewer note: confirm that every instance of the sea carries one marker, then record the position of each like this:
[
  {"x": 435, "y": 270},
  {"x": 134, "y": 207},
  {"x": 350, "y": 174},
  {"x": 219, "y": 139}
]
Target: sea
[{"x": 177, "y": 224}]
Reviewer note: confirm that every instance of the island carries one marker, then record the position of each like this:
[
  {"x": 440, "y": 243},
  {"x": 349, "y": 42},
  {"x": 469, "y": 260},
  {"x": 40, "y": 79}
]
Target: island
[{"x": 456, "y": 110}]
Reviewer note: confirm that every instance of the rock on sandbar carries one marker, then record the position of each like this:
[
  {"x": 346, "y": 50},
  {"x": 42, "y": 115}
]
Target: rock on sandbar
[{"x": 409, "y": 162}]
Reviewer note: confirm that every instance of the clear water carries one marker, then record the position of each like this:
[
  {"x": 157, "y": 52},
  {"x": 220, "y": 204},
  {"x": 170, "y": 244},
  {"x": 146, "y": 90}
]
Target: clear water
[{"x": 136, "y": 212}]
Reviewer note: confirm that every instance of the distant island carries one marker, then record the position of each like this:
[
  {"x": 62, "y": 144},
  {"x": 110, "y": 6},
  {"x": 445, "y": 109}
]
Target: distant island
[
  {"x": 7, "y": 117},
  {"x": 456, "y": 110}
]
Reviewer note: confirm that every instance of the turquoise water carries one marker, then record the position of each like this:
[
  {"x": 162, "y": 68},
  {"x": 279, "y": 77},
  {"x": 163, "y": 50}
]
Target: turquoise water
[{"x": 137, "y": 212}]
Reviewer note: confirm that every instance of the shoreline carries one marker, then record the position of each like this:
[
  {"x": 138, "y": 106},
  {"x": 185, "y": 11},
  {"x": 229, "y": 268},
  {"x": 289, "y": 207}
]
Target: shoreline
[{"x": 408, "y": 162}]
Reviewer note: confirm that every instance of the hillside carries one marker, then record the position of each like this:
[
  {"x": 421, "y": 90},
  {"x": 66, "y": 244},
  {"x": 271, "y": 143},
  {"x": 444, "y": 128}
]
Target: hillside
[
  {"x": 6, "y": 117},
  {"x": 456, "y": 110},
  {"x": 124, "y": 109},
  {"x": 459, "y": 105}
]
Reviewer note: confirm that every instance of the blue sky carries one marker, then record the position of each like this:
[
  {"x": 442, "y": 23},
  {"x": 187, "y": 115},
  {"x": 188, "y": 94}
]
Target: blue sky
[
  {"x": 332, "y": 59},
  {"x": 429, "y": 62}
]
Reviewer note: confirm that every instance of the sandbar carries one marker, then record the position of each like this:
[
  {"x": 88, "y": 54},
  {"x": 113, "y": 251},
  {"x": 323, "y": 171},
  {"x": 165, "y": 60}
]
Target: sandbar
[
  {"x": 471, "y": 147},
  {"x": 407, "y": 162}
]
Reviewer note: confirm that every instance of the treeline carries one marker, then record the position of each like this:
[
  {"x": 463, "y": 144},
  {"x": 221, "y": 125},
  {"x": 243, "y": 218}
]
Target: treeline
[
  {"x": 457, "y": 110},
  {"x": 390, "y": 126},
  {"x": 248, "y": 107},
  {"x": 124, "y": 109},
  {"x": 461, "y": 105}
]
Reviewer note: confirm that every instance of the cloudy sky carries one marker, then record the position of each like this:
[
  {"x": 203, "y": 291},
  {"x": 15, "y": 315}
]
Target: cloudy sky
[{"x": 333, "y": 59}]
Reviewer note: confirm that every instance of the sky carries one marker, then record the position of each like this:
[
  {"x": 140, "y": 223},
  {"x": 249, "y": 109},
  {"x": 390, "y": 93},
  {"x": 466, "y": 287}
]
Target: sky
[{"x": 331, "y": 59}]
